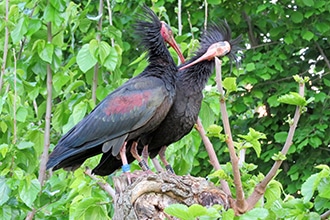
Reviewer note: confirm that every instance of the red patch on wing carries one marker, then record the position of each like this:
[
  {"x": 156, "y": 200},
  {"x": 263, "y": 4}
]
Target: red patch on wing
[{"x": 125, "y": 104}]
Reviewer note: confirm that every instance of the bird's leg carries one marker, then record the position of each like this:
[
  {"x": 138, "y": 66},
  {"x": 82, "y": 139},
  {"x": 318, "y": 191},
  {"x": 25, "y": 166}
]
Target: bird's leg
[
  {"x": 145, "y": 153},
  {"x": 157, "y": 165},
  {"x": 125, "y": 167},
  {"x": 142, "y": 163},
  {"x": 162, "y": 157}
]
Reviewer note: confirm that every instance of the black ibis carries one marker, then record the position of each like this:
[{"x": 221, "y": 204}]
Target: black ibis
[
  {"x": 132, "y": 110},
  {"x": 191, "y": 80}
]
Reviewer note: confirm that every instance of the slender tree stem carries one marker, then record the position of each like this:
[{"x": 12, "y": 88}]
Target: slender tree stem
[
  {"x": 179, "y": 17},
  {"x": 110, "y": 21},
  {"x": 259, "y": 190},
  {"x": 206, "y": 14},
  {"x": 5, "y": 47},
  {"x": 325, "y": 215},
  {"x": 96, "y": 67},
  {"x": 104, "y": 185},
  {"x": 240, "y": 200},
  {"x": 44, "y": 157},
  {"x": 212, "y": 155},
  {"x": 15, "y": 99},
  {"x": 323, "y": 55}
]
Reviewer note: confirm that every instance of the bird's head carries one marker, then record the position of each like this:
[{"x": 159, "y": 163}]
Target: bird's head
[
  {"x": 167, "y": 34},
  {"x": 154, "y": 33},
  {"x": 216, "y": 42}
]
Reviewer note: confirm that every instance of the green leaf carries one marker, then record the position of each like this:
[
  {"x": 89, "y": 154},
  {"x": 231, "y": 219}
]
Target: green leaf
[
  {"x": 324, "y": 188},
  {"x": 315, "y": 141},
  {"x": 29, "y": 190},
  {"x": 293, "y": 99},
  {"x": 197, "y": 210},
  {"x": 85, "y": 60},
  {"x": 4, "y": 149},
  {"x": 307, "y": 35},
  {"x": 288, "y": 39},
  {"x": 79, "y": 112},
  {"x": 255, "y": 214},
  {"x": 309, "y": 3},
  {"x": 104, "y": 51},
  {"x": 273, "y": 192},
  {"x": 4, "y": 191},
  {"x": 20, "y": 29},
  {"x": 46, "y": 53},
  {"x": 297, "y": 16},
  {"x": 308, "y": 187},
  {"x": 214, "y": 2},
  {"x": 94, "y": 48},
  {"x": 228, "y": 215},
  {"x": 229, "y": 84},
  {"x": 250, "y": 67},
  {"x": 180, "y": 211},
  {"x": 280, "y": 137},
  {"x": 111, "y": 60},
  {"x": 25, "y": 144},
  {"x": 21, "y": 114}
]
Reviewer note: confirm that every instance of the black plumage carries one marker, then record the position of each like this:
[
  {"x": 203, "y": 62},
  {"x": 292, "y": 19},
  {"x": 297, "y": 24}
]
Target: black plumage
[
  {"x": 187, "y": 102},
  {"x": 134, "y": 109}
]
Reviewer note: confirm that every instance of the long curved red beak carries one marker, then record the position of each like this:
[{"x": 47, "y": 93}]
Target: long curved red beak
[
  {"x": 218, "y": 49},
  {"x": 168, "y": 37}
]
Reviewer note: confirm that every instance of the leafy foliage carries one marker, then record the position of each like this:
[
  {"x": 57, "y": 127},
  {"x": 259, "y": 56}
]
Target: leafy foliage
[{"x": 283, "y": 38}]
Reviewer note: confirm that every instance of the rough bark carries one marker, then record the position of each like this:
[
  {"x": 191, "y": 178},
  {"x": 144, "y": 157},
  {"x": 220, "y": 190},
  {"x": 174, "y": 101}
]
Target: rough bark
[{"x": 149, "y": 194}]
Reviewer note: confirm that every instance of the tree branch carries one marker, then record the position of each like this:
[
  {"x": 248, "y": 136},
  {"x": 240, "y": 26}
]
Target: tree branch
[
  {"x": 206, "y": 14},
  {"x": 104, "y": 185},
  {"x": 259, "y": 190},
  {"x": 5, "y": 47},
  {"x": 212, "y": 155},
  {"x": 15, "y": 98},
  {"x": 323, "y": 54},
  {"x": 325, "y": 215},
  {"x": 240, "y": 200},
  {"x": 110, "y": 21},
  {"x": 96, "y": 67}
]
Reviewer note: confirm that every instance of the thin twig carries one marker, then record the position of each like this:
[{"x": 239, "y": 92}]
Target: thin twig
[
  {"x": 110, "y": 21},
  {"x": 212, "y": 155},
  {"x": 240, "y": 200},
  {"x": 190, "y": 25},
  {"x": 104, "y": 185},
  {"x": 98, "y": 37},
  {"x": 15, "y": 99},
  {"x": 259, "y": 190},
  {"x": 5, "y": 47},
  {"x": 323, "y": 54},
  {"x": 44, "y": 157},
  {"x": 325, "y": 215},
  {"x": 179, "y": 18},
  {"x": 206, "y": 14}
]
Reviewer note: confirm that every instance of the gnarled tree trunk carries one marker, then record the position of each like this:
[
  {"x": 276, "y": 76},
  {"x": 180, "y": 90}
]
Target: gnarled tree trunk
[{"x": 148, "y": 195}]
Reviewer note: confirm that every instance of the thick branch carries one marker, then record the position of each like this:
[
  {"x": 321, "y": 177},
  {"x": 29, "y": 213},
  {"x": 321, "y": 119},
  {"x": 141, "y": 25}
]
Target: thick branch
[
  {"x": 240, "y": 200},
  {"x": 212, "y": 155},
  {"x": 259, "y": 190},
  {"x": 149, "y": 195}
]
